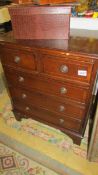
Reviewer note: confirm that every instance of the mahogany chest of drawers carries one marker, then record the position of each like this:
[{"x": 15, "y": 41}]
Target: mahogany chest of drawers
[{"x": 51, "y": 81}]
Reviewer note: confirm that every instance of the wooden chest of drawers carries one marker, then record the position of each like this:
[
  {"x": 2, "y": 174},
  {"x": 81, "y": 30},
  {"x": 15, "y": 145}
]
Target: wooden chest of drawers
[{"x": 49, "y": 83}]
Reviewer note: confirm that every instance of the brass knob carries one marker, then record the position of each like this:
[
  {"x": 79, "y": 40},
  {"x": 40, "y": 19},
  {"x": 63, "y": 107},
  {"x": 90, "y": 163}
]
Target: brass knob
[
  {"x": 63, "y": 90},
  {"x": 17, "y": 59},
  {"x": 21, "y": 79},
  {"x": 61, "y": 120},
  {"x": 67, "y": 54},
  {"x": 24, "y": 96},
  {"x": 61, "y": 108},
  {"x": 27, "y": 108},
  {"x": 64, "y": 69}
]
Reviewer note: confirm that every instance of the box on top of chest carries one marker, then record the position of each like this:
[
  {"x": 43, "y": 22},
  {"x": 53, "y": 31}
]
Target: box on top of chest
[{"x": 40, "y": 22}]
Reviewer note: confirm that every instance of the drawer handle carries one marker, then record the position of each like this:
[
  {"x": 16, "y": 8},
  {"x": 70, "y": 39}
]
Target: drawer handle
[
  {"x": 61, "y": 108},
  {"x": 21, "y": 79},
  {"x": 61, "y": 120},
  {"x": 24, "y": 96},
  {"x": 63, "y": 90},
  {"x": 67, "y": 54},
  {"x": 17, "y": 59},
  {"x": 27, "y": 108},
  {"x": 64, "y": 69}
]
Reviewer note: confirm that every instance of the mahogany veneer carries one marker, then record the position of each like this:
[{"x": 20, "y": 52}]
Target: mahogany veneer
[{"x": 51, "y": 81}]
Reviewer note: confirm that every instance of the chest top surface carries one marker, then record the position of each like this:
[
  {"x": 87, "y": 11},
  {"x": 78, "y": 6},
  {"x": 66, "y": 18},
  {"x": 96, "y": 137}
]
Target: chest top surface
[{"x": 80, "y": 42}]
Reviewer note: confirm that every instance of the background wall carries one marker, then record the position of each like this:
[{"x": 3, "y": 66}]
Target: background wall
[{"x": 84, "y": 23}]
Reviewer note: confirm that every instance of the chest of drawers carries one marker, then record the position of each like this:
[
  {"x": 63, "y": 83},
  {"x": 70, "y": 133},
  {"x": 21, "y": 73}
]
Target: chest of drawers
[{"x": 50, "y": 84}]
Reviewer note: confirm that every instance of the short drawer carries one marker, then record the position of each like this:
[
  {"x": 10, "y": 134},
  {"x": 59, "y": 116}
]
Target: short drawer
[
  {"x": 47, "y": 102},
  {"x": 48, "y": 117},
  {"x": 66, "y": 68},
  {"x": 50, "y": 86},
  {"x": 19, "y": 59}
]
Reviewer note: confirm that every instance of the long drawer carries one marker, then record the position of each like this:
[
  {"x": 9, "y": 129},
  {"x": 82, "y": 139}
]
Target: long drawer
[
  {"x": 47, "y": 102},
  {"x": 49, "y": 86},
  {"x": 47, "y": 116},
  {"x": 67, "y": 68}
]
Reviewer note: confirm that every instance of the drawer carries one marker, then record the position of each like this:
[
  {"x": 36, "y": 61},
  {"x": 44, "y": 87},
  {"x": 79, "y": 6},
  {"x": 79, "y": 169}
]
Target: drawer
[
  {"x": 52, "y": 87},
  {"x": 47, "y": 116},
  {"x": 50, "y": 103},
  {"x": 19, "y": 59},
  {"x": 65, "y": 68}
]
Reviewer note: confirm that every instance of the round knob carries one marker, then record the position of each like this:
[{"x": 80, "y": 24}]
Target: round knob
[
  {"x": 21, "y": 79},
  {"x": 61, "y": 108},
  {"x": 27, "y": 108},
  {"x": 67, "y": 54},
  {"x": 17, "y": 59},
  {"x": 63, "y": 90},
  {"x": 64, "y": 69},
  {"x": 24, "y": 96},
  {"x": 61, "y": 120}
]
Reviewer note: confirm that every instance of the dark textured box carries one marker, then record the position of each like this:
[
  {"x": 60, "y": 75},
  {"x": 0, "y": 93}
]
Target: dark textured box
[{"x": 40, "y": 22}]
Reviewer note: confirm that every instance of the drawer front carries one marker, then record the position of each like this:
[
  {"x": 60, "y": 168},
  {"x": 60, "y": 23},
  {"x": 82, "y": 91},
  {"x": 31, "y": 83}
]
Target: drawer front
[
  {"x": 49, "y": 103},
  {"x": 48, "y": 117},
  {"x": 18, "y": 59},
  {"x": 52, "y": 87},
  {"x": 66, "y": 68}
]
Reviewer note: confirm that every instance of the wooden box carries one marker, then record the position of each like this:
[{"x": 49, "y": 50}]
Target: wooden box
[{"x": 40, "y": 22}]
